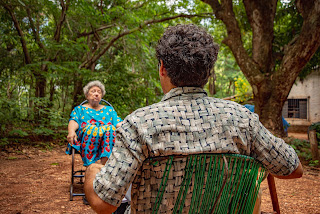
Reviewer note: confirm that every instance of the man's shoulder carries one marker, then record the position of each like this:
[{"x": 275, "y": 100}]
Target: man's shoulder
[
  {"x": 211, "y": 100},
  {"x": 231, "y": 107},
  {"x": 225, "y": 103},
  {"x": 149, "y": 108}
]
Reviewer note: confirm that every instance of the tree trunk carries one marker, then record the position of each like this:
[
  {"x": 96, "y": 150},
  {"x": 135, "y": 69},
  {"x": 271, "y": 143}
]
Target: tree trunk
[
  {"x": 64, "y": 95},
  {"x": 30, "y": 112},
  {"x": 269, "y": 108},
  {"x": 212, "y": 85},
  {"x": 51, "y": 93},
  {"x": 40, "y": 85},
  {"x": 40, "y": 92},
  {"x": 270, "y": 86},
  {"x": 77, "y": 91}
]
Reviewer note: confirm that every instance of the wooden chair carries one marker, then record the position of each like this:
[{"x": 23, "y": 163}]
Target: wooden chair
[{"x": 220, "y": 183}]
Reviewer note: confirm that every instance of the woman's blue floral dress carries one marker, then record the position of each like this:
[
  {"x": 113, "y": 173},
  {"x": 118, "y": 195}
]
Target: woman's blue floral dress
[{"x": 96, "y": 133}]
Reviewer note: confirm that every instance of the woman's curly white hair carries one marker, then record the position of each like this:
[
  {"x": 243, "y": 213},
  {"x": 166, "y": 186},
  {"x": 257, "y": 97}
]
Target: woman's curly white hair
[{"x": 94, "y": 83}]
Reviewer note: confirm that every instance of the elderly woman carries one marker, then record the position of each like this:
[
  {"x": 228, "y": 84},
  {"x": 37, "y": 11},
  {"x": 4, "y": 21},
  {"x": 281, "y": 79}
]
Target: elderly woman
[{"x": 91, "y": 128}]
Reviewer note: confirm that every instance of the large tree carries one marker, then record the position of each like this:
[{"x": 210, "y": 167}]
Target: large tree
[{"x": 270, "y": 70}]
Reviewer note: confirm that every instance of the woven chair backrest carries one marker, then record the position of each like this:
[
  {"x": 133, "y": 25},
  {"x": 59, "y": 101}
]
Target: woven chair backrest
[{"x": 220, "y": 183}]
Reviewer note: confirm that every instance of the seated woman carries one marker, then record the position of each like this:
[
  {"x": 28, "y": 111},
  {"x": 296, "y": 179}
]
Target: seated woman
[{"x": 91, "y": 128}]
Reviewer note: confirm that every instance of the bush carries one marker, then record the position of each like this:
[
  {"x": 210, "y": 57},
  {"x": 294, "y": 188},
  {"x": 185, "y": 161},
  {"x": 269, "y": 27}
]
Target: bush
[
  {"x": 18, "y": 133},
  {"x": 42, "y": 131},
  {"x": 302, "y": 148}
]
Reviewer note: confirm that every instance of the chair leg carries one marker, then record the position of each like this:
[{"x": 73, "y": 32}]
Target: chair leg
[
  {"x": 82, "y": 176},
  {"x": 72, "y": 174},
  {"x": 273, "y": 194},
  {"x": 71, "y": 192},
  {"x": 75, "y": 174}
]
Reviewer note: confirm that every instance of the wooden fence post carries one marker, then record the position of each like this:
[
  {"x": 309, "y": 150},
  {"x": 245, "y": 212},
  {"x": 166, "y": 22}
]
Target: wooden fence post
[{"x": 313, "y": 145}]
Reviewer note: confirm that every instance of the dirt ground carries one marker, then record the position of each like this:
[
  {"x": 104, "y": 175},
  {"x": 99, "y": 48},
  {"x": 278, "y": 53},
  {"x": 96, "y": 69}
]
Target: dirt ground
[
  {"x": 301, "y": 136},
  {"x": 37, "y": 181}
]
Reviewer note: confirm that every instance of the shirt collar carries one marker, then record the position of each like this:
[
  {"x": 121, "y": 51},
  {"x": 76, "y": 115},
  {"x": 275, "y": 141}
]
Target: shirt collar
[{"x": 184, "y": 93}]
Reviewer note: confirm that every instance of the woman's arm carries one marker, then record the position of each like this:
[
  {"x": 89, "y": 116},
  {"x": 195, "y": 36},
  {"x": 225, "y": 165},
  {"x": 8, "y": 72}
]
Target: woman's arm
[
  {"x": 72, "y": 128},
  {"x": 115, "y": 119}
]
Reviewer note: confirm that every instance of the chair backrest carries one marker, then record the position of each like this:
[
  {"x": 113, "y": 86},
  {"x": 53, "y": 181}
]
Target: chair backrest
[
  {"x": 220, "y": 183},
  {"x": 102, "y": 100}
]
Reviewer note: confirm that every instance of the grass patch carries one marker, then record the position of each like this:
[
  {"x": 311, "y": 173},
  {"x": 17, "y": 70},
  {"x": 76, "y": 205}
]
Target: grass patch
[
  {"x": 12, "y": 158},
  {"x": 302, "y": 148}
]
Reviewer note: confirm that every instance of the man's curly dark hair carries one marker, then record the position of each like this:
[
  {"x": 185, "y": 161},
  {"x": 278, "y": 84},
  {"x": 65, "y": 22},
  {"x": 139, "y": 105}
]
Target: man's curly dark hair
[{"x": 188, "y": 53}]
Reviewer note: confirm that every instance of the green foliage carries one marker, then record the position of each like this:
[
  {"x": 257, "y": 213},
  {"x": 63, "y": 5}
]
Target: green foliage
[
  {"x": 45, "y": 145},
  {"x": 302, "y": 148},
  {"x": 226, "y": 73},
  {"x": 299, "y": 144},
  {"x": 314, "y": 163},
  {"x": 127, "y": 65},
  {"x": 243, "y": 90},
  {"x": 10, "y": 111},
  {"x": 4, "y": 141},
  {"x": 18, "y": 133},
  {"x": 12, "y": 158},
  {"x": 316, "y": 127},
  {"x": 43, "y": 131}
]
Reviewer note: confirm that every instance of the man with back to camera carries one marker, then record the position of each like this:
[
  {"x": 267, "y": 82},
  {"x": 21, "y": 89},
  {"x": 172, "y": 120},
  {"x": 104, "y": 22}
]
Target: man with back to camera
[{"x": 185, "y": 121}]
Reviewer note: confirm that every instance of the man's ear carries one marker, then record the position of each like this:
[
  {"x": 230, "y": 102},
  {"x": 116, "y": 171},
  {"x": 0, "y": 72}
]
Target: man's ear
[{"x": 162, "y": 70}]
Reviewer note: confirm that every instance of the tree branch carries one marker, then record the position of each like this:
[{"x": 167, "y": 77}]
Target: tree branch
[
  {"x": 305, "y": 6},
  {"x": 87, "y": 64},
  {"x": 95, "y": 30},
  {"x": 69, "y": 26},
  {"x": 62, "y": 19},
  {"x": 34, "y": 31},
  {"x": 216, "y": 7},
  {"x": 224, "y": 12},
  {"x": 261, "y": 14},
  {"x": 20, "y": 33}
]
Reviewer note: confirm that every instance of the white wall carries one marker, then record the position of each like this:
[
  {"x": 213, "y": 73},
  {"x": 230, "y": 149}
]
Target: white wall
[{"x": 308, "y": 88}]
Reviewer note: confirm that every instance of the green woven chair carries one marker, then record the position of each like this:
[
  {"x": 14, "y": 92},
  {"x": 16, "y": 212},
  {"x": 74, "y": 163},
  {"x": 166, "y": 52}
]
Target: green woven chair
[{"x": 222, "y": 183}]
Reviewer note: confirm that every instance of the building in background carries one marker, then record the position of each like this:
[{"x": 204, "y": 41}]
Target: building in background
[{"x": 302, "y": 107}]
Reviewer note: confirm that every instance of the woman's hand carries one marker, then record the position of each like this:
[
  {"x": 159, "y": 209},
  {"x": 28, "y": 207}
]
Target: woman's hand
[{"x": 72, "y": 137}]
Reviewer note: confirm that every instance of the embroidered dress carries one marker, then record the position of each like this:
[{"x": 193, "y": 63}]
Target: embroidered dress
[{"x": 96, "y": 133}]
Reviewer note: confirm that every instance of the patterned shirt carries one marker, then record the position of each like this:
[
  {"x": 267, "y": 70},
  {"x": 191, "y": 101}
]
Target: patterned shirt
[{"x": 186, "y": 121}]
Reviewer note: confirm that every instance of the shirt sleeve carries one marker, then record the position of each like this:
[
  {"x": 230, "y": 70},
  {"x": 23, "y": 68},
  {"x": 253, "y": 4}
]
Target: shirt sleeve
[
  {"x": 115, "y": 119},
  {"x": 128, "y": 154},
  {"x": 277, "y": 156},
  {"x": 75, "y": 115}
]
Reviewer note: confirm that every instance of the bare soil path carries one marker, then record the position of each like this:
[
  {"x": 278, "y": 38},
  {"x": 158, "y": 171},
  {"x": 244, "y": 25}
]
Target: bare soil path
[{"x": 37, "y": 181}]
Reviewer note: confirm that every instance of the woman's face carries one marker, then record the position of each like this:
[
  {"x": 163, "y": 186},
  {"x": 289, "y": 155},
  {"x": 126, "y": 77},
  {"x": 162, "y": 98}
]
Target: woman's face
[{"x": 94, "y": 94}]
